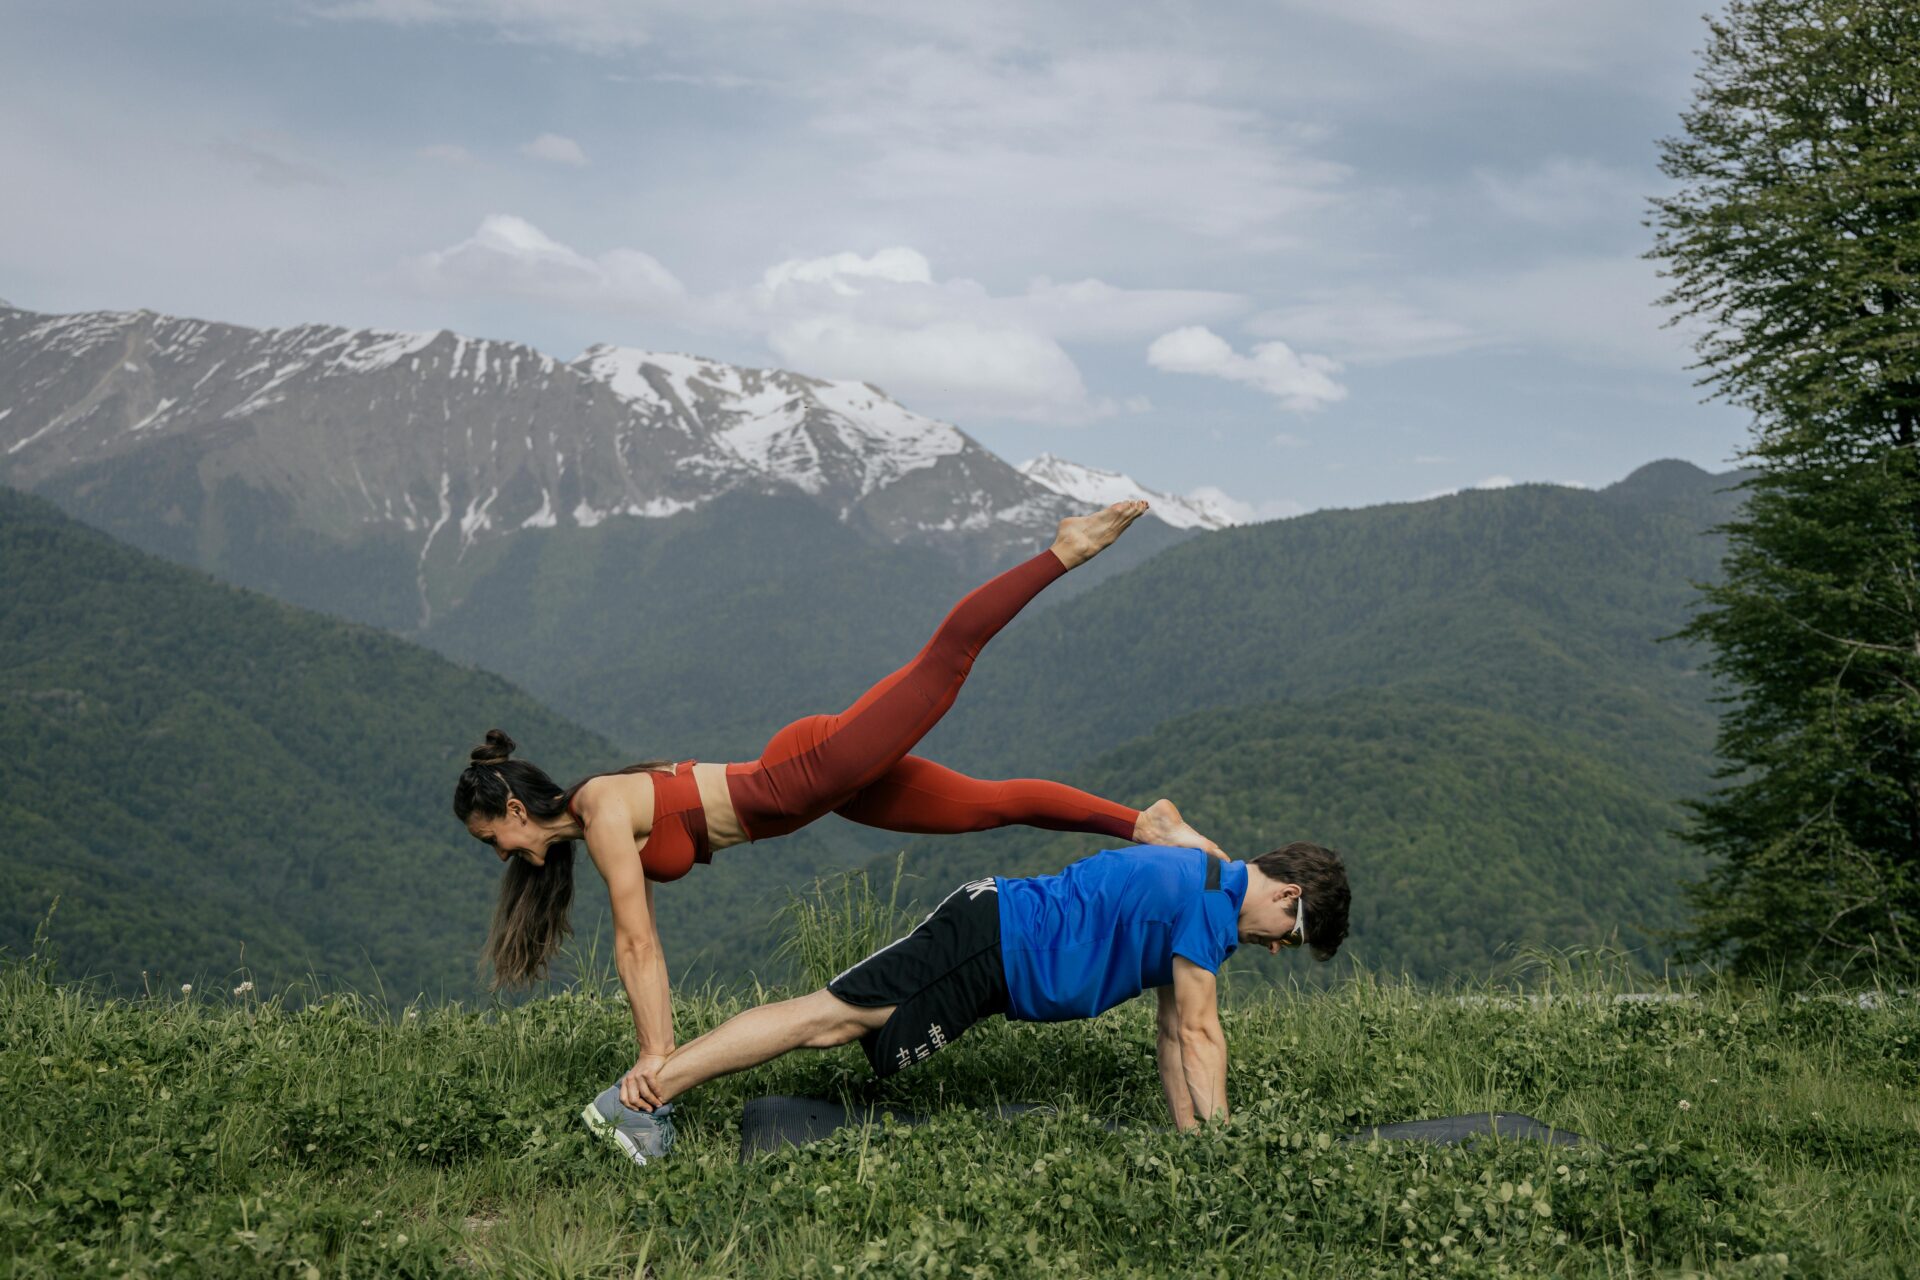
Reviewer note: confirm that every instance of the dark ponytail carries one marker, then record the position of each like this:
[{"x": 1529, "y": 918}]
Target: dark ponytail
[{"x": 531, "y": 917}]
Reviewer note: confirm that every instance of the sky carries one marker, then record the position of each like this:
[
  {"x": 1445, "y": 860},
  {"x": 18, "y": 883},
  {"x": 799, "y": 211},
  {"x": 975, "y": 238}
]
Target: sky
[{"x": 1293, "y": 254}]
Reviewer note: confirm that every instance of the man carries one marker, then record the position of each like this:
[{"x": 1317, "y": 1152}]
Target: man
[{"x": 1045, "y": 949}]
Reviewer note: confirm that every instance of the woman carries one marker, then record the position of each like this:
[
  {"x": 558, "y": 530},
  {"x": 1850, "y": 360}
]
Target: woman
[{"x": 652, "y": 822}]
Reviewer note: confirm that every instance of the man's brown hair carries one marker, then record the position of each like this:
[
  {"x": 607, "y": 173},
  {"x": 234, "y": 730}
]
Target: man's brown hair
[{"x": 1323, "y": 883}]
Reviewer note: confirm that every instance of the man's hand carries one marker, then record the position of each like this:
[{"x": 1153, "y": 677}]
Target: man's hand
[{"x": 640, "y": 1087}]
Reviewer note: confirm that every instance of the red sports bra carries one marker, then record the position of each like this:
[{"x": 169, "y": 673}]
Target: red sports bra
[{"x": 679, "y": 835}]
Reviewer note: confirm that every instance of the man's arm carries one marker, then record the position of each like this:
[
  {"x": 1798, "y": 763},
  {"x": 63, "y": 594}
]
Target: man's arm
[
  {"x": 1203, "y": 1046},
  {"x": 1166, "y": 1052}
]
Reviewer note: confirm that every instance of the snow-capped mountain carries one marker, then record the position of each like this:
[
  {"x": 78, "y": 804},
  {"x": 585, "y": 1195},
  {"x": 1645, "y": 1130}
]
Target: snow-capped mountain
[
  {"x": 374, "y": 473},
  {"x": 1090, "y": 486},
  {"x": 448, "y": 441}
]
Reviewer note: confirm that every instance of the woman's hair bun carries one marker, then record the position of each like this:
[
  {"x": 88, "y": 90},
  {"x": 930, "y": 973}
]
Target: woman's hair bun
[{"x": 498, "y": 747}]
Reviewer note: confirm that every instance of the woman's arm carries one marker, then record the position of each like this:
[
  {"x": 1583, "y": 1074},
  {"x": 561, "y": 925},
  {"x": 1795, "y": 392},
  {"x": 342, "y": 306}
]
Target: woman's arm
[{"x": 636, "y": 942}]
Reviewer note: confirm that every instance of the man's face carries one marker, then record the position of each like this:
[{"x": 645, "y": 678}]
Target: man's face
[{"x": 1275, "y": 919}]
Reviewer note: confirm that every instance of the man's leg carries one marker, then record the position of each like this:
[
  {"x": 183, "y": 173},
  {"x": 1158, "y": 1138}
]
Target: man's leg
[{"x": 818, "y": 1021}]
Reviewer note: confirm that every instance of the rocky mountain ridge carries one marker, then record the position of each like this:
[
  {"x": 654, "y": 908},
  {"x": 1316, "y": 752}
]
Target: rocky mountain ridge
[
  {"x": 1093, "y": 486},
  {"x": 440, "y": 442}
]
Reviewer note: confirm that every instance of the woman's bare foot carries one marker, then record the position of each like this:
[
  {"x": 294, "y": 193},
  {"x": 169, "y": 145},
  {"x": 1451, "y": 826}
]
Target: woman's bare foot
[
  {"x": 1161, "y": 823},
  {"x": 1081, "y": 538}
]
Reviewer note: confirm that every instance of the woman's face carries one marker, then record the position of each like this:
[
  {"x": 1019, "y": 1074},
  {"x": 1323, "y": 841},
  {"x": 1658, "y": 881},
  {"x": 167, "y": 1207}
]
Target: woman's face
[{"x": 513, "y": 835}]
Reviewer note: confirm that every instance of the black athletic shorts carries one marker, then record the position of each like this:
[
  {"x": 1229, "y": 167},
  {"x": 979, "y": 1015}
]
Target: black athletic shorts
[{"x": 943, "y": 977}]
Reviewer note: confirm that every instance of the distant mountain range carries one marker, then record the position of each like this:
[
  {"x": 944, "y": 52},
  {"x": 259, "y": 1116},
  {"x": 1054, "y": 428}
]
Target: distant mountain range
[
  {"x": 362, "y": 471},
  {"x": 1469, "y": 695}
]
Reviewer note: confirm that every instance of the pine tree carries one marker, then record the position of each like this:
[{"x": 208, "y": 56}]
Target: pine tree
[{"x": 1793, "y": 244}]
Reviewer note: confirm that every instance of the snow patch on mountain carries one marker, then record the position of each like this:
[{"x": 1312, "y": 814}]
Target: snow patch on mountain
[
  {"x": 780, "y": 424},
  {"x": 371, "y": 350},
  {"x": 447, "y": 437},
  {"x": 1096, "y": 487}
]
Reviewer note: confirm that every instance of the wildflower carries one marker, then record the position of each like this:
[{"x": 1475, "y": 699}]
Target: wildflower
[
  {"x": 186, "y": 988},
  {"x": 413, "y": 1013},
  {"x": 1685, "y": 1105},
  {"x": 243, "y": 988}
]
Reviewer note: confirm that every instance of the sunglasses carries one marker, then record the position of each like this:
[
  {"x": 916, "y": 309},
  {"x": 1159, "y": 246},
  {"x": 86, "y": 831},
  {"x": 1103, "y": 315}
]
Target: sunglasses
[{"x": 1297, "y": 936}]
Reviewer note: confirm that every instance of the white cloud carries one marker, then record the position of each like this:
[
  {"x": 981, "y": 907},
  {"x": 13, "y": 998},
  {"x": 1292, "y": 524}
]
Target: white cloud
[
  {"x": 269, "y": 161},
  {"x": 952, "y": 345},
  {"x": 722, "y": 80},
  {"x": 949, "y": 347},
  {"x": 1527, "y": 35},
  {"x": 843, "y": 272},
  {"x": 957, "y": 365},
  {"x": 1361, "y": 326},
  {"x": 1495, "y": 482},
  {"x": 555, "y": 149},
  {"x": 1566, "y": 192},
  {"x": 588, "y": 26},
  {"x": 1597, "y": 310},
  {"x": 511, "y": 256},
  {"x": 1097, "y": 311},
  {"x": 1300, "y": 382},
  {"x": 1148, "y": 135}
]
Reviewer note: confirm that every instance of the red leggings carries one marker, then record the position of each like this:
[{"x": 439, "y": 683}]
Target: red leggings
[{"x": 856, "y": 763}]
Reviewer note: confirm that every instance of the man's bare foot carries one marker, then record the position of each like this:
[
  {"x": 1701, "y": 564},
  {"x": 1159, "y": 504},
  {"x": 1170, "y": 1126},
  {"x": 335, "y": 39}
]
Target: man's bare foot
[
  {"x": 1081, "y": 538},
  {"x": 1161, "y": 823}
]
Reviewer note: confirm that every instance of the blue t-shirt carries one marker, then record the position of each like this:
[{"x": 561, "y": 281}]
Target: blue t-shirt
[{"x": 1109, "y": 926}]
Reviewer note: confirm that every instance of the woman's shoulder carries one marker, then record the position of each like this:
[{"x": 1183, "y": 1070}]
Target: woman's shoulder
[{"x": 606, "y": 794}]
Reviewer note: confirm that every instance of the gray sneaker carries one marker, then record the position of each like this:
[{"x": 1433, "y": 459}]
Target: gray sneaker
[{"x": 644, "y": 1136}]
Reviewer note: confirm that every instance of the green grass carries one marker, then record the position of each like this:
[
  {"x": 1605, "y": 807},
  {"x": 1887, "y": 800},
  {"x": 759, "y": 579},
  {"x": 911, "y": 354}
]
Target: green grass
[{"x": 214, "y": 1134}]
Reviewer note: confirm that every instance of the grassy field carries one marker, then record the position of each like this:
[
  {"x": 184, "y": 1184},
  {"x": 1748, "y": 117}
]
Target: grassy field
[{"x": 1746, "y": 1132}]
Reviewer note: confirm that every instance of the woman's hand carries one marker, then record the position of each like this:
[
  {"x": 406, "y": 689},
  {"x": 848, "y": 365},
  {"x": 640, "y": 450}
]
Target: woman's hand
[{"x": 640, "y": 1087}]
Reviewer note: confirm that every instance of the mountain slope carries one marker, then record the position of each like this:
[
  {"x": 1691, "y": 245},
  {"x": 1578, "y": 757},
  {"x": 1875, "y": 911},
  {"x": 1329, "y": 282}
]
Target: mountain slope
[
  {"x": 703, "y": 634},
  {"x": 1469, "y": 697},
  {"x": 1543, "y": 601},
  {"x": 1467, "y": 832},
  {"x": 207, "y": 778},
  {"x": 304, "y": 461}
]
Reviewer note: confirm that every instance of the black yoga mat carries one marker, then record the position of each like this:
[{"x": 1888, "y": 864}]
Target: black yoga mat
[
  {"x": 782, "y": 1120},
  {"x": 1466, "y": 1130}
]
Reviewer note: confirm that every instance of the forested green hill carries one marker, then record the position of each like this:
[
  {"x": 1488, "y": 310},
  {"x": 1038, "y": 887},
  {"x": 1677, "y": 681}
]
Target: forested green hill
[
  {"x": 702, "y": 634},
  {"x": 1468, "y": 697},
  {"x": 214, "y": 783},
  {"x": 1467, "y": 832},
  {"x": 1543, "y": 601}
]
